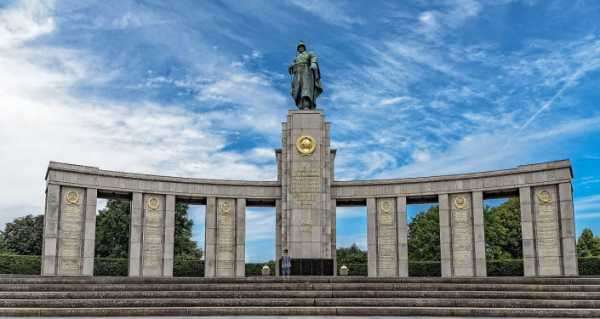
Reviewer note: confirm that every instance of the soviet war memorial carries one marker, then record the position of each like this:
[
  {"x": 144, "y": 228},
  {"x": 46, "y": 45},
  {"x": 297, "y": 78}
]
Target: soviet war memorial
[{"x": 407, "y": 160}]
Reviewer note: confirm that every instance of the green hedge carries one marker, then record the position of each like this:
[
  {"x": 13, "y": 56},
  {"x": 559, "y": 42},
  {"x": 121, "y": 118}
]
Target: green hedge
[
  {"x": 255, "y": 269},
  {"x": 106, "y": 266},
  {"x": 188, "y": 267},
  {"x": 21, "y": 265},
  {"x": 425, "y": 268},
  {"x": 355, "y": 269},
  {"x": 589, "y": 266},
  {"x": 185, "y": 267},
  {"x": 509, "y": 267}
]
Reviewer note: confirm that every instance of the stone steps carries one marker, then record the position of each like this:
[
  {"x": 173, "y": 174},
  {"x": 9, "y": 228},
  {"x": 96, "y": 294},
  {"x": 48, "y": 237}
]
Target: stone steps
[
  {"x": 566, "y": 295},
  {"x": 344, "y": 296},
  {"x": 306, "y": 311}
]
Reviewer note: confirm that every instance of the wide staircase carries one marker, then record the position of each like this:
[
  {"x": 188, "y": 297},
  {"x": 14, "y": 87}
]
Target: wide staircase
[{"x": 316, "y": 296}]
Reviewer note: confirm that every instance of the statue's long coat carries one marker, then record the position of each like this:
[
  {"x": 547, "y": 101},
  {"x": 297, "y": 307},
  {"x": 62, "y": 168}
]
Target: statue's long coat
[{"x": 306, "y": 82}]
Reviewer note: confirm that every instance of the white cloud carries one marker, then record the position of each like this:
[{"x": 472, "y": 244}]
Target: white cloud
[
  {"x": 330, "y": 12},
  {"x": 41, "y": 121}
]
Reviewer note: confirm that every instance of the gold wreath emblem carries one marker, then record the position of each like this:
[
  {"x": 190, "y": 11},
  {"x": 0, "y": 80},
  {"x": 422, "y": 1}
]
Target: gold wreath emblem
[
  {"x": 386, "y": 206},
  {"x": 306, "y": 145},
  {"x": 544, "y": 197},
  {"x": 72, "y": 197},
  {"x": 460, "y": 202},
  {"x": 153, "y": 203},
  {"x": 225, "y": 208}
]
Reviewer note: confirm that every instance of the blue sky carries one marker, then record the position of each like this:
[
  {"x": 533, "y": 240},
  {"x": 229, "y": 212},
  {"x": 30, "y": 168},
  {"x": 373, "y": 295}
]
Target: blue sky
[{"x": 199, "y": 88}]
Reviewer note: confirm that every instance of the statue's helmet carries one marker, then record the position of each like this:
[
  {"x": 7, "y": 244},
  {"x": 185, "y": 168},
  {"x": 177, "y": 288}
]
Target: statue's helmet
[{"x": 300, "y": 44}]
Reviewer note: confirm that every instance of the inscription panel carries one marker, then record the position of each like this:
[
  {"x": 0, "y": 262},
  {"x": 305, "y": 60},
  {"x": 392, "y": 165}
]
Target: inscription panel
[
  {"x": 152, "y": 241},
  {"x": 547, "y": 231},
  {"x": 386, "y": 238},
  {"x": 70, "y": 234},
  {"x": 225, "y": 237},
  {"x": 462, "y": 234}
]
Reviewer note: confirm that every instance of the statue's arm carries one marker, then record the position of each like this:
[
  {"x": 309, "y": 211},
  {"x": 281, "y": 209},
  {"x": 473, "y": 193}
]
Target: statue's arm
[{"x": 313, "y": 61}]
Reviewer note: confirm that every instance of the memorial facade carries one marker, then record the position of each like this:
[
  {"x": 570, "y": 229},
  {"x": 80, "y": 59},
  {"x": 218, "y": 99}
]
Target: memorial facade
[{"x": 305, "y": 196}]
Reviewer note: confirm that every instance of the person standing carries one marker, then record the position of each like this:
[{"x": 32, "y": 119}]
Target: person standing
[{"x": 286, "y": 263}]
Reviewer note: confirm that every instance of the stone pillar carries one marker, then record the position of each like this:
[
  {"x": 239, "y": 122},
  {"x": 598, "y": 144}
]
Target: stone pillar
[
  {"x": 371, "y": 237},
  {"x": 278, "y": 235},
  {"x": 89, "y": 232},
  {"x": 240, "y": 238},
  {"x": 305, "y": 171},
  {"x": 387, "y": 237},
  {"x": 567, "y": 228},
  {"x": 333, "y": 235},
  {"x": 527, "y": 234},
  {"x": 547, "y": 231},
  {"x": 210, "y": 236},
  {"x": 402, "y": 236},
  {"x": 461, "y": 225},
  {"x": 479, "y": 235},
  {"x": 169, "y": 244},
  {"x": 445, "y": 236},
  {"x": 225, "y": 237},
  {"x": 135, "y": 235},
  {"x": 50, "y": 242},
  {"x": 69, "y": 231},
  {"x": 151, "y": 237}
]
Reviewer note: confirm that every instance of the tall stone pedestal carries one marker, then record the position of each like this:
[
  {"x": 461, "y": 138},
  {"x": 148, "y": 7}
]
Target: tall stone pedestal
[{"x": 306, "y": 170}]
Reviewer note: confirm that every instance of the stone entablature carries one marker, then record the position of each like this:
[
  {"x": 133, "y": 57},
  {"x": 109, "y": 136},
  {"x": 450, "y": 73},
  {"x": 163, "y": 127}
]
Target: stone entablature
[
  {"x": 550, "y": 173},
  {"x": 305, "y": 196}
]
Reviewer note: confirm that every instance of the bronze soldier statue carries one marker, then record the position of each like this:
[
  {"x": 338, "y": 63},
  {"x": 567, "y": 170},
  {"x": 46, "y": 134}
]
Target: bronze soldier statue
[{"x": 306, "y": 78}]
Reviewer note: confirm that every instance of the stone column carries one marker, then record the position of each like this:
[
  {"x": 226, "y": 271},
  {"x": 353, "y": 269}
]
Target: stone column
[
  {"x": 527, "y": 235},
  {"x": 135, "y": 236},
  {"x": 89, "y": 232},
  {"x": 567, "y": 227},
  {"x": 402, "y": 236},
  {"x": 240, "y": 238},
  {"x": 479, "y": 235},
  {"x": 225, "y": 237},
  {"x": 151, "y": 237},
  {"x": 445, "y": 235},
  {"x": 210, "y": 236},
  {"x": 547, "y": 231},
  {"x": 461, "y": 225},
  {"x": 387, "y": 242},
  {"x": 371, "y": 237},
  {"x": 278, "y": 235},
  {"x": 69, "y": 231},
  {"x": 333, "y": 235},
  {"x": 50, "y": 242},
  {"x": 169, "y": 244}
]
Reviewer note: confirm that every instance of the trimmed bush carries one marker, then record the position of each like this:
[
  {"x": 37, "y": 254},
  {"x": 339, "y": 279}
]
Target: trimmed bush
[
  {"x": 20, "y": 265},
  {"x": 106, "y": 266},
  {"x": 507, "y": 267},
  {"x": 255, "y": 269},
  {"x": 589, "y": 266},
  {"x": 355, "y": 269},
  {"x": 425, "y": 268},
  {"x": 188, "y": 267}
]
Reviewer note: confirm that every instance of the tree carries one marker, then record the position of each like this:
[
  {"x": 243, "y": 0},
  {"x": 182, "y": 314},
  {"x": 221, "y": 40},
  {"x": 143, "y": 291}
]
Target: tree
[
  {"x": 424, "y": 236},
  {"x": 23, "y": 236},
  {"x": 351, "y": 256},
  {"x": 184, "y": 244},
  {"x": 503, "y": 231},
  {"x": 588, "y": 245},
  {"x": 112, "y": 229}
]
